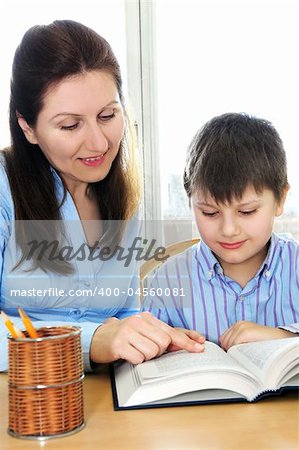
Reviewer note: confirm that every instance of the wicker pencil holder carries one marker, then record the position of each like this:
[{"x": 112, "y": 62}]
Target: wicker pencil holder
[{"x": 46, "y": 383}]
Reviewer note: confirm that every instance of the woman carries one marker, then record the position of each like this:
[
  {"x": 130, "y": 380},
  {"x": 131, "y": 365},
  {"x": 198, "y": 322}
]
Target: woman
[{"x": 68, "y": 185}]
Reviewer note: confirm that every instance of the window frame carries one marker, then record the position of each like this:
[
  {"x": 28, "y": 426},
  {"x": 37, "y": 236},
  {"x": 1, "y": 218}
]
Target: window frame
[{"x": 142, "y": 91}]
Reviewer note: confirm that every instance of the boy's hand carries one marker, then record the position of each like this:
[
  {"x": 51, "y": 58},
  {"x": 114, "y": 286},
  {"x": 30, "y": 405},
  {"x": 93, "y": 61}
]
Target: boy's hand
[
  {"x": 243, "y": 331},
  {"x": 139, "y": 338}
]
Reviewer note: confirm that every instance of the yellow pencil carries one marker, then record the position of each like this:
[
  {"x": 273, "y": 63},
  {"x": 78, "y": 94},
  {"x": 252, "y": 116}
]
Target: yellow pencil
[
  {"x": 14, "y": 331},
  {"x": 28, "y": 324}
]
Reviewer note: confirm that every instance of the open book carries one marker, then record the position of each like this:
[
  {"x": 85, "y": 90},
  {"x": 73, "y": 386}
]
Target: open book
[{"x": 245, "y": 372}]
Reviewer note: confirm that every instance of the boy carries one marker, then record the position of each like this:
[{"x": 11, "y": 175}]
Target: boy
[{"x": 240, "y": 283}]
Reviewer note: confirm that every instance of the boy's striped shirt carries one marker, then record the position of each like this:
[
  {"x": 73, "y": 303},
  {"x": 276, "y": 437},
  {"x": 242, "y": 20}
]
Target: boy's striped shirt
[{"x": 191, "y": 291}]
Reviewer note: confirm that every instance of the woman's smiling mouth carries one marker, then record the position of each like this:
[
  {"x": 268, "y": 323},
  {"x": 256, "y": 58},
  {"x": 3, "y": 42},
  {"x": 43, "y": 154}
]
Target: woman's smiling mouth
[{"x": 93, "y": 161}]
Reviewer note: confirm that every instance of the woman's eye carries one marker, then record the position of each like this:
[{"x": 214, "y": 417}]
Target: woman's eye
[
  {"x": 107, "y": 116},
  {"x": 69, "y": 127}
]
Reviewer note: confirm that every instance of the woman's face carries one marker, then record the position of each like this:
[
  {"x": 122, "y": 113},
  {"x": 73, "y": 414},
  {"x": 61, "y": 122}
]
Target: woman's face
[{"x": 80, "y": 127}]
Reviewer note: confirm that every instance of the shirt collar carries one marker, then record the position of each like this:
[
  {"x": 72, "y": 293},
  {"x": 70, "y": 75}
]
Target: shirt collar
[
  {"x": 268, "y": 266},
  {"x": 212, "y": 266},
  {"x": 207, "y": 260},
  {"x": 59, "y": 188}
]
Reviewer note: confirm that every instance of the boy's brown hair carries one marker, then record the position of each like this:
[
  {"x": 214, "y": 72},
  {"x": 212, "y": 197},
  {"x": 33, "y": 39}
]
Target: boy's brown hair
[{"x": 234, "y": 151}]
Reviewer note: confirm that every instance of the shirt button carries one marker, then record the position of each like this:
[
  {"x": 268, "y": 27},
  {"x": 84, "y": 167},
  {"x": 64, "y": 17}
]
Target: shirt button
[
  {"x": 268, "y": 273},
  {"x": 241, "y": 297},
  {"x": 86, "y": 283}
]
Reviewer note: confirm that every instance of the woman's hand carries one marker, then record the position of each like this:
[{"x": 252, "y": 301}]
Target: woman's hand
[
  {"x": 139, "y": 338},
  {"x": 192, "y": 334},
  {"x": 243, "y": 331}
]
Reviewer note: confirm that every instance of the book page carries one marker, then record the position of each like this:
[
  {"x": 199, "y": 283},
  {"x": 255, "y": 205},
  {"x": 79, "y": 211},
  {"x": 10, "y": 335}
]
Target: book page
[
  {"x": 258, "y": 356},
  {"x": 180, "y": 362},
  {"x": 180, "y": 372}
]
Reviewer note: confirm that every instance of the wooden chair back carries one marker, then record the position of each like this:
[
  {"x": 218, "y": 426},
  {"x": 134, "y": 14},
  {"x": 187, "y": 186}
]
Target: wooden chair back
[{"x": 174, "y": 249}]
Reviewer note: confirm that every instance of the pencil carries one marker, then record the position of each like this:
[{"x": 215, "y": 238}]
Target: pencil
[
  {"x": 28, "y": 324},
  {"x": 14, "y": 331}
]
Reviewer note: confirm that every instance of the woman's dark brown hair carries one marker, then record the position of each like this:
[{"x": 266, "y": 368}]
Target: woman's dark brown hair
[{"x": 46, "y": 55}]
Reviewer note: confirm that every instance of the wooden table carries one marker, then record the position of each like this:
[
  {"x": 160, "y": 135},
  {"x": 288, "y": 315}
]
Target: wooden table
[{"x": 269, "y": 424}]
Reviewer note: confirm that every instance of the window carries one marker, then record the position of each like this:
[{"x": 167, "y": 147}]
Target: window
[
  {"x": 184, "y": 61},
  {"x": 224, "y": 56}
]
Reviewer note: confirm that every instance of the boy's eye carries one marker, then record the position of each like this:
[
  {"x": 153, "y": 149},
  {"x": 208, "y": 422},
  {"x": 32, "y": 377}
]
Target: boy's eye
[
  {"x": 69, "y": 127},
  {"x": 247, "y": 213},
  {"x": 209, "y": 214}
]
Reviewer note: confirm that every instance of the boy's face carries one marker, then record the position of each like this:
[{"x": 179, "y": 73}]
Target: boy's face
[{"x": 238, "y": 232}]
